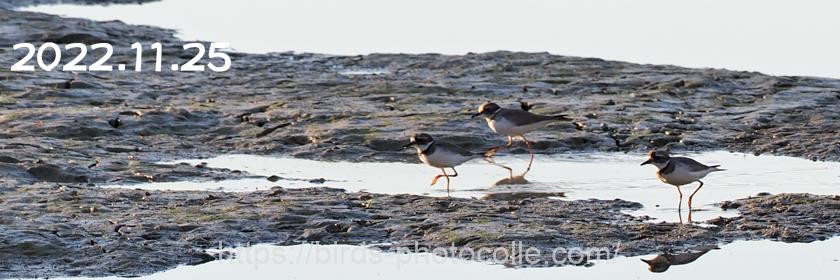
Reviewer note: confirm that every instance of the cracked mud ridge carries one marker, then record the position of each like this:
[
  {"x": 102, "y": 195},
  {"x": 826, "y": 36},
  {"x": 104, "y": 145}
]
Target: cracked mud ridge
[{"x": 63, "y": 134}]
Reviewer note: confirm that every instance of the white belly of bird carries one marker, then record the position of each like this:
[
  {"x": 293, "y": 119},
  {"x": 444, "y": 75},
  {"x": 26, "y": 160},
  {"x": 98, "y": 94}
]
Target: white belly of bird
[
  {"x": 508, "y": 128},
  {"x": 441, "y": 159},
  {"x": 682, "y": 177}
]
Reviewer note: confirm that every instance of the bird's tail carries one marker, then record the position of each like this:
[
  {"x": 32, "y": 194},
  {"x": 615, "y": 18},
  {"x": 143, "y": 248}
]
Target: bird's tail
[{"x": 716, "y": 168}]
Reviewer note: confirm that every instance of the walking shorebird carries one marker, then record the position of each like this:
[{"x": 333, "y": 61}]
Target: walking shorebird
[
  {"x": 440, "y": 154},
  {"x": 514, "y": 123},
  {"x": 678, "y": 171}
]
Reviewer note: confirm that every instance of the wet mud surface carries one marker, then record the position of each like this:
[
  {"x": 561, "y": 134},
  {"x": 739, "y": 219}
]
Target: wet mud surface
[
  {"x": 59, "y": 138},
  {"x": 63, "y": 230}
]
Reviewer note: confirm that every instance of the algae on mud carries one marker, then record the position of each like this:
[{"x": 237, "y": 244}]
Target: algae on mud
[{"x": 57, "y": 145}]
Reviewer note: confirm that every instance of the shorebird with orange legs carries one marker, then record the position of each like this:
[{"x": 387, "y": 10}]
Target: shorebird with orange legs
[
  {"x": 513, "y": 123},
  {"x": 678, "y": 171},
  {"x": 440, "y": 154}
]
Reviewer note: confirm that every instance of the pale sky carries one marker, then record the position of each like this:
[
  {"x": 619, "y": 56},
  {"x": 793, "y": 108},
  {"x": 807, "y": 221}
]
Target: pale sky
[{"x": 774, "y": 37}]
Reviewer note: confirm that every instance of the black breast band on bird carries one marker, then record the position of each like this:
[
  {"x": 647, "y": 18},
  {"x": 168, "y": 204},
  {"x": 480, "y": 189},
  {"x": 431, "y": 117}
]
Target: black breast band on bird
[
  {"x": 429, "y": 149},
  {"x": 669, "y": 168}
]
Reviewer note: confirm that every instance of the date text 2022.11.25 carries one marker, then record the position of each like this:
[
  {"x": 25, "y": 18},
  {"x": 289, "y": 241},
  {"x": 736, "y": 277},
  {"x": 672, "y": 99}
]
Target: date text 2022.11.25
[{"x": 101, "y": 64}]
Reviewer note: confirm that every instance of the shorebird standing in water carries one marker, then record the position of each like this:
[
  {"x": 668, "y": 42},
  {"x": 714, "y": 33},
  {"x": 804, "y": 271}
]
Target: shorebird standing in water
[
  {"x": 440, "y": 154},
  {"x": 678, "y": 171},
  {"x": 514, "y": 123}
]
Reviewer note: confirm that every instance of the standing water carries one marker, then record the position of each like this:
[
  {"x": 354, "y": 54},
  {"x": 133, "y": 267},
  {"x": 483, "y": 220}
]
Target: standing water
[
  {"x": 576, "y": 176},
  {"x": 739, "y": 260}
]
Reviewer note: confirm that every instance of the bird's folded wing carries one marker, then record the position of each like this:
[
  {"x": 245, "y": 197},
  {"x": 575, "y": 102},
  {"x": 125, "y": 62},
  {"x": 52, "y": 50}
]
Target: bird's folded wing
[
  {"x": 520, "y": 117},
  {"x": 455, "y": 148},
  {"x": 691, "y": 164}
]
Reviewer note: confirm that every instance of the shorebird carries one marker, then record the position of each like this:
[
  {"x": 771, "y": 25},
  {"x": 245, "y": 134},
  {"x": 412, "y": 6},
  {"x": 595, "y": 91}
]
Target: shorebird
[
  {"x": 678, "y": 171},
  {"x": 514, "y": 123},
  {"x": 440, "y": 154}
]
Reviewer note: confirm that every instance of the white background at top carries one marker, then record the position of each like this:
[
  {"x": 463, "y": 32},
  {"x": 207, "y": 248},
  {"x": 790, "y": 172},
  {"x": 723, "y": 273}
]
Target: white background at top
[{"x": 774, "y": 37}]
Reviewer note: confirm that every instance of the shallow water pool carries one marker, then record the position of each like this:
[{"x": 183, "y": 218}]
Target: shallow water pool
[
  {"x": 739, "y": 260},
  {"x": 578, "y": 176}
]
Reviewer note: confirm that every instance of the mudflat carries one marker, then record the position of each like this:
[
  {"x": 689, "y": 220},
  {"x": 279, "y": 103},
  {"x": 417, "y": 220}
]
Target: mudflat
[{"x": 56, "y": 146}]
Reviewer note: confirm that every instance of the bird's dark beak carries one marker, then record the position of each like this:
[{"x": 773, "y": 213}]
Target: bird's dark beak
[
  {"x": 409, "y": 144},
  {"x": 650, "y": 160},
  {"x": 475, "y": 115}
]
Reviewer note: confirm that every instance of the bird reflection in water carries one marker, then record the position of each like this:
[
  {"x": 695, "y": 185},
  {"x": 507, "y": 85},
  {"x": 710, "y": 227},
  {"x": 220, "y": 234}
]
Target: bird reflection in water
[
  {"x": 512, "y": 180},
  {"x": 518, "y": 193},
  {"x": 662, "y": 262}
]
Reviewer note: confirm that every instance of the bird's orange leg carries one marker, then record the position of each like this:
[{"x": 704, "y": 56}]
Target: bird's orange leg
[
  {"x": 435, "y": 179},
  {"x": 445, "y": 176},
  {"x": 530, "y": 151},
  {"x": 692, "y": 196},
  {"x": 488, "y": 156},
  {"x": 679, "y": 206},
  {"x": 493, "y": 162},
  {"x": 447, "y": 179},
  {"x": 492, "y": 151}
]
